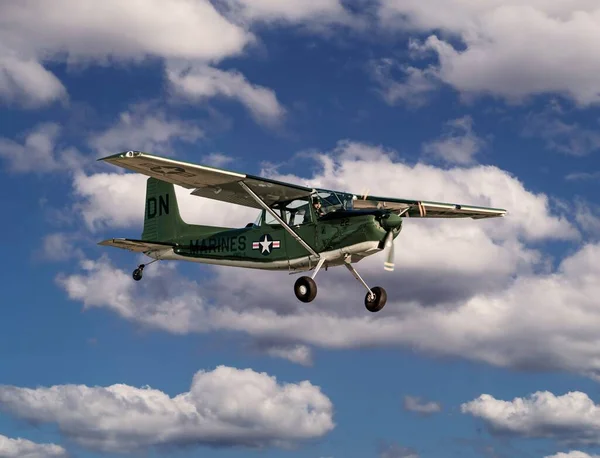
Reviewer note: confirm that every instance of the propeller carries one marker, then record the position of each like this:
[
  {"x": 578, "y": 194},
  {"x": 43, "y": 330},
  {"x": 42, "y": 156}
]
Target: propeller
[
  {"x": 389, "y": 243},
  {"x": 390, "y": 222}
]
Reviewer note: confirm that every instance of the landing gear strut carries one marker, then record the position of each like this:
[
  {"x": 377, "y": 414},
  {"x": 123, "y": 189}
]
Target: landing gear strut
[
  {"x": 138, "y": 273},
  {"x": 376, "y": 297},
  {"x": 305, "y": 288}
]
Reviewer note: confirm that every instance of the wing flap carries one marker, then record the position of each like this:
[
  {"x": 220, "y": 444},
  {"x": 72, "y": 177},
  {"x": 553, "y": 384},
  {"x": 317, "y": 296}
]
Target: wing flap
[{"x": 138, "y": 246}]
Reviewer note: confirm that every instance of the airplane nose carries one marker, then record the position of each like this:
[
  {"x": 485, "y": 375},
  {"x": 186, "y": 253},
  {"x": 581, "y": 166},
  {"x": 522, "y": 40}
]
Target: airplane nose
[{"x": 390, "y": 221}]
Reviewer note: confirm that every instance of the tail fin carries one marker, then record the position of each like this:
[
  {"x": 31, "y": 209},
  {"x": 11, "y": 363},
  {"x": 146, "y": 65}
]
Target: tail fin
[{"x": 162, "y": 221}]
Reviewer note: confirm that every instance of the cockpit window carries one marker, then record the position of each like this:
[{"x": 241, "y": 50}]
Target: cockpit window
[
  {"x": 294, "y": 213},
  {"x": 332, "y": 201}
]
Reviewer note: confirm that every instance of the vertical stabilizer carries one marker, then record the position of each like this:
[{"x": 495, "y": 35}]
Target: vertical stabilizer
[{"x": 162, "y": 221}]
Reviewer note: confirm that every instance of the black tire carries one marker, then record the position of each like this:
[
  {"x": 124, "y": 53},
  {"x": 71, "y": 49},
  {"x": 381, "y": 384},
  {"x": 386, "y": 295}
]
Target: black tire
[
  {"x": 305, "y": 289},
  {"x": 137, "y": 274},
  {"x": 375, "y": 304}
]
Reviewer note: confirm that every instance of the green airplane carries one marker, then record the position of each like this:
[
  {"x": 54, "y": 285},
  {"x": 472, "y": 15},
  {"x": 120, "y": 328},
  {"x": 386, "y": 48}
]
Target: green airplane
[{"x": 299, "y": 229}]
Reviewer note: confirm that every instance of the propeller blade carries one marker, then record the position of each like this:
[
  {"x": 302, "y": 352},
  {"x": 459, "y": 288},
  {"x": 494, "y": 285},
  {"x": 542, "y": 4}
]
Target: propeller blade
[{"x": 389, "y": 243}]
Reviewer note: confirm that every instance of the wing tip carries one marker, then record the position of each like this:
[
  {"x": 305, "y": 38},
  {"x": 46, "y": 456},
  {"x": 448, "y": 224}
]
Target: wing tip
[{"x": 121, "y": 155}]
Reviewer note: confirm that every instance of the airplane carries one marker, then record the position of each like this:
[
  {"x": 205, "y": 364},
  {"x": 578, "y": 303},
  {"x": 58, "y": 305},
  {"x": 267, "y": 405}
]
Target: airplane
[{"x": 298, "y": 229}]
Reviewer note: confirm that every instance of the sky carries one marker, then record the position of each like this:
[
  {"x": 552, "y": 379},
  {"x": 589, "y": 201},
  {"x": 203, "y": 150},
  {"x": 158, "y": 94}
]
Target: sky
[{"x": 489, "y": 345}]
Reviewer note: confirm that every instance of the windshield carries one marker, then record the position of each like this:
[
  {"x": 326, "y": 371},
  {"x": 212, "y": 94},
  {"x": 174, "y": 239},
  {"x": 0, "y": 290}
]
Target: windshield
[{"x": 331, "y": 201}]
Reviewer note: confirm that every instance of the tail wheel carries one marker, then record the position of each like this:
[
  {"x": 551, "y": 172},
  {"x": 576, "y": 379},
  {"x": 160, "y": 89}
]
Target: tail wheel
[
  {"x": 376, "y": 302},
  {"x": 305, "y": 289},
  {"x": 137, "y": 273}
]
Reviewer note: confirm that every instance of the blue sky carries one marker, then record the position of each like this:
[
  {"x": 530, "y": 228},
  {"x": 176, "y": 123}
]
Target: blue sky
[{"x": 488, "y": 346}]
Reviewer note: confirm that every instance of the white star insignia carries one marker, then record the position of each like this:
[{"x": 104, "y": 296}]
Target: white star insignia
[{"x": 266, "y": 245}]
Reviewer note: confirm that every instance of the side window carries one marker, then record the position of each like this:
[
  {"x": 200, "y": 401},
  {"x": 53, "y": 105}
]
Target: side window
[
  {"x": 299, "y": 218},
  {"x": 269, "y": 218}
]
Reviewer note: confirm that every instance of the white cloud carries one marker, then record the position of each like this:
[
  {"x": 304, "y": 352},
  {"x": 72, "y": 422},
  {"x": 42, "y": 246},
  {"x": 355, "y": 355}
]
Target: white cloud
[
  {"x": 559, "y": 134},
  {"x": 130, "y": 30},
  {"x": 459, "y": 144},
  {"x": 415, "y": 90},
  {"x": 98, "y": 192},
  {"x": 144, "y": 128},
  {"x": 505, "y": 45},
  {"x": 226, "y": 407},
  {"x": 182, "y": 32},
  {"x": 570, "y": 418},
  {"x": 300, "y": 354},
  {"x": 416, "y": 404},
  {"x": 583, "y": 176},
  {"x": 26, "y": 82},
  {"x": 217, "y": 159},
  {"x": 39, "y": 152},
  {"x": 23, "y": 448},
  {"x": 445, "y": 284},
  {"x": 588, "y": 218},
  {"x": 201, "y": 82},
  {"x": 316, "y": 16},
  {"x": 572, "y": 454},
  {"x": 60, "y": 246},
  {"x": 289, "y": 10}
]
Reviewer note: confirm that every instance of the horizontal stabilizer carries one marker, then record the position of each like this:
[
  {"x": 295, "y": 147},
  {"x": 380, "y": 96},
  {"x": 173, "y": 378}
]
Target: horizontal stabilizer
[{"x": 139, "y": 246}]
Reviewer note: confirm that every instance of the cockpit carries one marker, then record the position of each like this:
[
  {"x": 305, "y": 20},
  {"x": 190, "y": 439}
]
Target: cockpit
[{"x": 306, "y": 209}]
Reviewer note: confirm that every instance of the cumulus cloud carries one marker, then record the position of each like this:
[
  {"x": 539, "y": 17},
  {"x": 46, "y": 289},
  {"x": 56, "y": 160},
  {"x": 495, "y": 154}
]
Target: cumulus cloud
[
  {"x": 504, "y": 45},
  {"x": 97, "y": 193},
  {"x": 569, "y": 418},
  {"x": 144, "y": 128},
  {"x": 38, "y": 152},
  {"x": 445, "y": 284},
  {"x": 458, "y": 145},
  {"x": 23, "y": 448},
  {"x": 416, "y": 404},
  {"x": 24, "y": 81},
  {"x": 201, "y": 82},
  {"x": 181, "y": 32},
  {"x": 173, "y": 29},
  {"x": 224, "y": 407}
]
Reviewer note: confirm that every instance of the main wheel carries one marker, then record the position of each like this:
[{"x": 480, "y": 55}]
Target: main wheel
[
  {"x": 305, "y": 289},
  {"x": 137, "y": 274},
  {"x": 376, "y": 303}
]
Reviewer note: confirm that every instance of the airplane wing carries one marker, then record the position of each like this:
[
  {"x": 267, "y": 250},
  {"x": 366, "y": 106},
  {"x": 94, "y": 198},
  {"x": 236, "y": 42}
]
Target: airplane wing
[
  {"x": 209, "y": 182},
  {"x": 224, "y": 185},
  {"x": 425, "y": 209},
  {"x": 138, "y": 246}
]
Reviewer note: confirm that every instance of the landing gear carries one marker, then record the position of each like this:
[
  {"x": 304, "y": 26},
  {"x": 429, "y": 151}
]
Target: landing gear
[
  {"x": 305, "y": 289},
  {"x": 376, "y": 297},
  {"x": 139, "y": 272}
]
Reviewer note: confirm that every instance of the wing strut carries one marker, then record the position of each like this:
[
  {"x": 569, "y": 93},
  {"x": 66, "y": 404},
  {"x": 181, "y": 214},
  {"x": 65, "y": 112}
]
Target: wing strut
[{"x": 279, "y": 220}]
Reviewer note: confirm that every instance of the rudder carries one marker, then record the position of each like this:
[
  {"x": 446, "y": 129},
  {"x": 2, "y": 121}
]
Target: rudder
[{"x": 162, "y": 220}]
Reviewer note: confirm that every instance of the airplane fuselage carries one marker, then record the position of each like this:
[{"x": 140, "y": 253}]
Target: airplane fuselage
[{"x": 271, "y": 247}]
